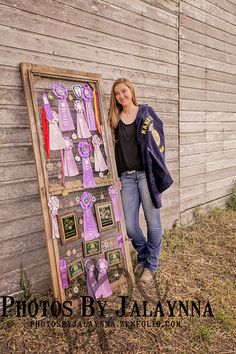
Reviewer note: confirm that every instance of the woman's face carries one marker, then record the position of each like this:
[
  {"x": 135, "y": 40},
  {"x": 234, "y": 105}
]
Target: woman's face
[{"x": 123, "y": 94}]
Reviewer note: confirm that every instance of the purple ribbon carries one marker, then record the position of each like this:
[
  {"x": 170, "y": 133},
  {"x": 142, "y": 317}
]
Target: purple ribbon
[
  {"x": 54, "y": 205},
  {"x": 120, "y": 242},
  {"x": 91, "y": 281},
  {"x": 90, "y": 227},
  {"x": 82, "y": 127},
  {"x": 63, "y": 274},
  {"x": 100, "y": 164},
  {"x": 115, "y": 202},
  {"x": 103, "y": 286},
  {"x": 84, "y": 152},
  {"x": 69, "y": 164},
  {"x": 88, "y": 98},
  {"x": 65, "y": 118},
  {"x": 56, "y": 139},
  {"x": 47, "y": 107}
]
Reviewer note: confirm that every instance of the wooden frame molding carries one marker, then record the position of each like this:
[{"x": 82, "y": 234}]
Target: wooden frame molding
[{"x": 30, "y": 73}]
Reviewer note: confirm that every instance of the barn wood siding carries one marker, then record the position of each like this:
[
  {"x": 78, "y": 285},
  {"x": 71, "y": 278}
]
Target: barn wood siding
[
  {"x": 207, "y": 118},
  {"x": 138, "y": 40}
]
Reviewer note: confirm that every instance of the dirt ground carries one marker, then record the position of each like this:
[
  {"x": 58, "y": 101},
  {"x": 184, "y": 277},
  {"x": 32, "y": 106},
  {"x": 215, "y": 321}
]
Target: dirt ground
[{"x": 197, "y": 266}]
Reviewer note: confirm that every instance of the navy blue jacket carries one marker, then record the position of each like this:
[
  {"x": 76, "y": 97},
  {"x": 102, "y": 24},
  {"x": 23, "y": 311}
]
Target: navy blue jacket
[{"x": 150, "y": 135}]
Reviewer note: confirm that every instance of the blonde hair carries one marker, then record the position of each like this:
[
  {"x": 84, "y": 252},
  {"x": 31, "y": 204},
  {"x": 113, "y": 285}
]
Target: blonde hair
[{"x": 115, "y": 107}]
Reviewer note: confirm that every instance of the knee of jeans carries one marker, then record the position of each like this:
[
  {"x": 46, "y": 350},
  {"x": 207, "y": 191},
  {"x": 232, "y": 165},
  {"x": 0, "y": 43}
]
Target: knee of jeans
[
  {"x": 131, "y": 228},
  {"x": 130, "y": 231},
  {"x": 154, "y": 225}
]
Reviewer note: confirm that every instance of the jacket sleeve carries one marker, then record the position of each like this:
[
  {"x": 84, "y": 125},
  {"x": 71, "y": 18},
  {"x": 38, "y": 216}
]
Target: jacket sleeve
[
  {"x": 160, "y": 172},
  {"x": 154, "y": 139}
]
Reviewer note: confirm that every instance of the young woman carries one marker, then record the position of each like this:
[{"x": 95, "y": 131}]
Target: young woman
[{"x": 140, "y": 157}]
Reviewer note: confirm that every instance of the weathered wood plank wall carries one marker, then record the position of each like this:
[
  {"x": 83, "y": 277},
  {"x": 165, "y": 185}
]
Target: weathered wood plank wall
[
  {"x": 207, "y": 81},
  {"x": 116, "y": 39}
]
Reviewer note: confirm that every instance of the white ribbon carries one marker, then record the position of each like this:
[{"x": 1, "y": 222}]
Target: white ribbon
[
  {"x": 82, "y": 127},
  {"x": 53, "y": 204},
  {"x": 100, "y": 164},
  {"x": 56, "y": 139}
]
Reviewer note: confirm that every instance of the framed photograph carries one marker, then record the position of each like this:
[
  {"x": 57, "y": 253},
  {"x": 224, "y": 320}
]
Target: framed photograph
[
  {"x": 114, "y": 257},
  {"x": 75, "y": 269},
  {"x": 68, "y": 226},
  {"x": 105, "y": 217},
  {"x": 91, "y": 248}
]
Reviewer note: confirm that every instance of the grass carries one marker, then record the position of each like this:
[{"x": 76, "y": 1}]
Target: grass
[
  {"x": 231, "y": 202},
  {"x": 197, "y": 263}
]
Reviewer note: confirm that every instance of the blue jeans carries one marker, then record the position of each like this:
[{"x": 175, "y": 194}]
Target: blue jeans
[{"x": 134, "y": 191}]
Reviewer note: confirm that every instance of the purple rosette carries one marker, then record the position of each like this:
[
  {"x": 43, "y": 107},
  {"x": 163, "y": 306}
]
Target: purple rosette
[
  {"x": 84, "y": 152},
  {"x": 88, "y": 99},
  {"x": 87, "y": 92},
  {"x": 65, "y": 118},
  {"x": 103, "y": 287},
  {"x": 59, "y": 90},
  {"x": 90, "y": 227}
]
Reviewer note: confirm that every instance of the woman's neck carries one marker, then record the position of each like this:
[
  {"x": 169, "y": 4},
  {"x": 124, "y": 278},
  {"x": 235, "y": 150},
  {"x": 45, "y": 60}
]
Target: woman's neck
[
  {"x": 129, "y": 109},
  {"x": 129, "y": 114}
]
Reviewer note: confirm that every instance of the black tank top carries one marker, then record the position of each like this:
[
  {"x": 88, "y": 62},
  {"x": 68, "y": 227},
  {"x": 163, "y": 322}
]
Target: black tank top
[{"x": 127, "y": 150}]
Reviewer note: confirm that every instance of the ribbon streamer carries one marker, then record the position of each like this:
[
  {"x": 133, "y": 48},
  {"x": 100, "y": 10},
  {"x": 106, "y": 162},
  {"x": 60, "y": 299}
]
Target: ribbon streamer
[
  {"x": 63, "y": 274},
  {"x": 100, "y": 164},
  {"x": 104, "y": 288},
  {"x": 105, "y": 146},
  {"x": 90, "y": 226},
  {"x": 47, "y": 107},
  {"x": 69, "y": 165},
  {"x": 84, "y": 152},
  {"x": 53, "y": 204},
  {"x": 113, "y": 192},
  {"x": 88, "y": 98},
  {"x": 82, "y": 127},
  {"x": 91, "y": 281},
  {"x": 120, "y": 242},
  {"x": 56, "y": 139},
  {"x": 45, "y": 133},
  {"x": 96, "y": 111},
  {"x": 65, "y": 118}
]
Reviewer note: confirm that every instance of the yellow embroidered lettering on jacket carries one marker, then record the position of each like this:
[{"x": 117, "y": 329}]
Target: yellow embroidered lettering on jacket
[{"x": 145, "y": 124}]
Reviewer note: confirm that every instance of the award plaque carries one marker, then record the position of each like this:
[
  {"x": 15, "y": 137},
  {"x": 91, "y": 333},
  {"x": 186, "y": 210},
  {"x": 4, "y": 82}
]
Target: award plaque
[
  {"x": 114, "y": 257},
  {"x": 75, "y": 269},
  {"x": 68, "y": 227},
  {"x": 105, "y": 217},
  {"x": 91, "y": 248}
]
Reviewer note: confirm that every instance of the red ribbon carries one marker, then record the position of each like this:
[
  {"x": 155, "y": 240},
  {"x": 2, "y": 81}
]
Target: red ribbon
[{"x": 45, "y": 132}]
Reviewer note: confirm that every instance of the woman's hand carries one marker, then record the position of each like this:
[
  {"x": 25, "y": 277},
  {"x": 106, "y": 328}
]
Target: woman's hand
[{"x": 117, "y": 184}]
